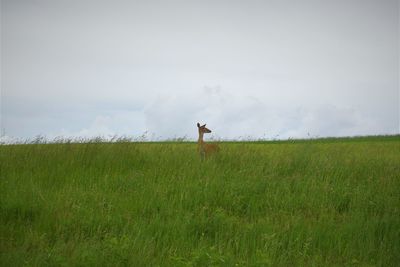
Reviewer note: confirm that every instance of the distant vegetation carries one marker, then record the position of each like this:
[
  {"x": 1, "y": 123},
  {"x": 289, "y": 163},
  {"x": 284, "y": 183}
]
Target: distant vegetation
[{"x": 324, "y": 202}]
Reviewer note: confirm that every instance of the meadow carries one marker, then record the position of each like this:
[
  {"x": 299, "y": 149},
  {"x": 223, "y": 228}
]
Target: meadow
[{"x": 325, "y": 202}]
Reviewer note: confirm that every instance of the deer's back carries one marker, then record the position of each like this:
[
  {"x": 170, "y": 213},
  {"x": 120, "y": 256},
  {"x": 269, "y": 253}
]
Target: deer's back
[{"x": 211, "y": 148}]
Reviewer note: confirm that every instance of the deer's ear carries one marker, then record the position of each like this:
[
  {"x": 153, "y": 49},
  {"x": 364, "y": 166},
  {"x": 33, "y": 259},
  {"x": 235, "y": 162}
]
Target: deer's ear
[
  {"x": 198, "y": 125},
  {"x": 203, "y": 125}
]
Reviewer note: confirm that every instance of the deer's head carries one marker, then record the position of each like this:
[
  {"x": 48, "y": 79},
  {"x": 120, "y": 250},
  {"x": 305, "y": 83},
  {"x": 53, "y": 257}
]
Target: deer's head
[{"x": 203, "y": 129}]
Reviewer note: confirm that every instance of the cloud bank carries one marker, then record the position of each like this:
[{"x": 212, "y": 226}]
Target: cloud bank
[{"x": 230, "y": 116}]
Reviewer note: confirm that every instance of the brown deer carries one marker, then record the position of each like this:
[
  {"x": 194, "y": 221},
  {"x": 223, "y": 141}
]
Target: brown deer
[{"x": 205, "y": 149}]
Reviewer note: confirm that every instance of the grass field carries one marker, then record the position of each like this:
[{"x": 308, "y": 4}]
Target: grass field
[{"x": 329, "y": 202}]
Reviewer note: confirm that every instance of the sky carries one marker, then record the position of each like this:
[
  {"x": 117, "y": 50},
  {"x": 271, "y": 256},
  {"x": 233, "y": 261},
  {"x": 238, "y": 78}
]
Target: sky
[{"x": 249, "y": 69}]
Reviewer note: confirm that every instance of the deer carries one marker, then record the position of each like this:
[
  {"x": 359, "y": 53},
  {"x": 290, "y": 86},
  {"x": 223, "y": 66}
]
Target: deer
[{"x": 203, "y": 148}]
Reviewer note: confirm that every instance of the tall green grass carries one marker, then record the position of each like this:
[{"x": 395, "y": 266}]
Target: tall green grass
[{"x": 299, "y": 203}]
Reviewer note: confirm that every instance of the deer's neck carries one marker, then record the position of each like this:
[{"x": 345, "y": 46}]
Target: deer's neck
[{"x": 201, "y": 140}]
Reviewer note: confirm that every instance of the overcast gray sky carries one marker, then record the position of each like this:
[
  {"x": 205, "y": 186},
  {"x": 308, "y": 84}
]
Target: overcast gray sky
[{"x": 246, "y": 68}]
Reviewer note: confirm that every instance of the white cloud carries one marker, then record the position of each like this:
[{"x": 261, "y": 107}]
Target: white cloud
[
  {"x": 235, "y": 116},
  {"x": 5, "y": 139},
  {"x": 118, "y": 123}
]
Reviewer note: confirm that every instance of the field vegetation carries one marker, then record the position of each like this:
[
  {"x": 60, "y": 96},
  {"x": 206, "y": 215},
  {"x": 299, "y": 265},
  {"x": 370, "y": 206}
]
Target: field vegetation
[{"x": 324, "y": 202}]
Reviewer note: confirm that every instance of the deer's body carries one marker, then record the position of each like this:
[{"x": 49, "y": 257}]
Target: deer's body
[{"x": 204, "y": 148}]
